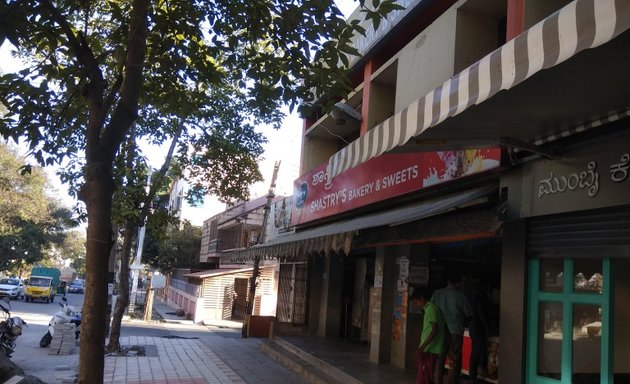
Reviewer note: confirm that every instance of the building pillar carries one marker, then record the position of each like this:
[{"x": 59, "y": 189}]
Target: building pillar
[
  {"x": 382, "y": 305},
  {"x": 331, "y": 301},
  {"x": 365, "y": 101},
  {"x": 398, "y": 296},
  {"x": 316, "y": 274},
  {"x": 515, "y": 18},
  {"x": 512, "y": 325}
]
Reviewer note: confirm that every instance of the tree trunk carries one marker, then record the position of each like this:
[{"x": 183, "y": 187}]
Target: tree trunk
[
  {"x": 97, "y": 195},
  {"x": 148, "y": 306},
  {"x": 123, "y": 294},
  {"x": 101, "y": 146},
  {"x": 130, "y": 227}
]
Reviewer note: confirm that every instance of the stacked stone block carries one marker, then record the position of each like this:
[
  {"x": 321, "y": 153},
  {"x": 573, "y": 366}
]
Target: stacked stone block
[{"x": 63, "y": 340}]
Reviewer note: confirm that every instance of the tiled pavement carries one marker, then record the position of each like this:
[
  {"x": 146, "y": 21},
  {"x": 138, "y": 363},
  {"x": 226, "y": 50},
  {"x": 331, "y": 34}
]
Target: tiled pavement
[
  {"x": 245, "y": 357},
  {"x": 180, "y": 352},
  {"x": 186, "y": 353},
  {"x": 196, "y": 361}
]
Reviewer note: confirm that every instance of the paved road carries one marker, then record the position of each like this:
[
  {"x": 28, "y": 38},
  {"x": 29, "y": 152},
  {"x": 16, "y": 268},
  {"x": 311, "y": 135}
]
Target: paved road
[
  {"x": 175, "y": 353},
  {"x": 28, "y": 355}
]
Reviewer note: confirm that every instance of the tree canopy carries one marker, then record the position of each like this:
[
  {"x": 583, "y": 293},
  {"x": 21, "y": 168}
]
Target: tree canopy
[
  {"x": 214, "y": 69},
  {"x": 73, "y": 249},
  {"x": 32, "y": 224},
  {"x": 176, "y": 248},
  {"x": 209, "y": 71}
]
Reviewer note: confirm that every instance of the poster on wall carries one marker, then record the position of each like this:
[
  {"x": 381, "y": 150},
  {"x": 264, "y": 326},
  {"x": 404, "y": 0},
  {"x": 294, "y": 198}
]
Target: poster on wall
[
  {"x": 282, "y": 214},
  {"x": 400, "y": 314},
  {"x": 402, "y": 285},
  {"x": 418, "y": 275},
  {"x": 404, "y": 268},
  {"x": 378, "y": 276}
]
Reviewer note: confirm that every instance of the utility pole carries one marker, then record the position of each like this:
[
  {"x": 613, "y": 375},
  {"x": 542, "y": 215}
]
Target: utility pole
[
  {"x": 261, "y": 238},
  {"x": 136, "y": 267}
]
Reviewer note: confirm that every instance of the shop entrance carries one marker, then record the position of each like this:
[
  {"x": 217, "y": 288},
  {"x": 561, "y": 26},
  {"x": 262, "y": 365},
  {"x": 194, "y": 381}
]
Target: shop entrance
[
  {"x": 358, "y": 280},
  {"x": 239, "y": 304},
  {"x": 479, "y": 264}
]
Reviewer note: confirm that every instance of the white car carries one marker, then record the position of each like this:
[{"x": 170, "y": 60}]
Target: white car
[{"x": 14, "y": 288}]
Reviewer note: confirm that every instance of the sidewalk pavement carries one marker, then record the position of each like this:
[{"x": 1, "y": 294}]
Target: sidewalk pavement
[{"x": 219, "y": 355}]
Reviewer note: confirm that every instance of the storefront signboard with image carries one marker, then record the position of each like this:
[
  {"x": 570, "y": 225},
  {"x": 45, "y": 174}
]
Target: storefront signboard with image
[{"x": 381, "y": 178}]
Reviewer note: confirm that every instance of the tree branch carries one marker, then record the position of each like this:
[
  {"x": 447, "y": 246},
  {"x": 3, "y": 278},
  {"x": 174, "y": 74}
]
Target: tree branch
[
  {"x": 85, "y": 56},
  {"x": 126, "y": 112},
  {"x": 65, "y": 108},
  {"x": 109, "y": 99}
]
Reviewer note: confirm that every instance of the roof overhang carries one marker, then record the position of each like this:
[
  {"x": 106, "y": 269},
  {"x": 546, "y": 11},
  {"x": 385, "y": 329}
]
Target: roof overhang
[
  {"x": 338, "y": 236},
  {"x": 219, "y": 272},
  {"x": 566, "y": 74}
]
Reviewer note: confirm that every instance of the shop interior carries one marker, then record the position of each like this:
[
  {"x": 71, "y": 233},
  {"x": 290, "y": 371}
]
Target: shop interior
[{"x": 478, "y": 262}]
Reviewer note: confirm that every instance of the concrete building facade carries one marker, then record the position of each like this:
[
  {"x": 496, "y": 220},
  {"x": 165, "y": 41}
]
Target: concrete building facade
[{"x": 493, "y": 140}]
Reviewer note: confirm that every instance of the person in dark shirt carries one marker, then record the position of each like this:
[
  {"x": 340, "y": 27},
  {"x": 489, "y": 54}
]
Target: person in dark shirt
[
  {"x": 457, "y": 312},
  {"x": 478, "y": 329}
]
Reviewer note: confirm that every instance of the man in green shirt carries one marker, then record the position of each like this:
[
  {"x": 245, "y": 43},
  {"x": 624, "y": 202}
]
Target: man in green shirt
[{"x": 432, "y": 338}]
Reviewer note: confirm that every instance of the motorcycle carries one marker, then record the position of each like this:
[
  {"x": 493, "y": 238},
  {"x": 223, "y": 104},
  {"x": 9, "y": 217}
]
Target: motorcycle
[
  {"x": 10, "y": 329},
  {"x": 67, "y": 314}
]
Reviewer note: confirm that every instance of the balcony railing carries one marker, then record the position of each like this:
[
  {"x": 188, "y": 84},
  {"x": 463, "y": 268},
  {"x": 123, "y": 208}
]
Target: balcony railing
[{"x": 191, "y": 289}]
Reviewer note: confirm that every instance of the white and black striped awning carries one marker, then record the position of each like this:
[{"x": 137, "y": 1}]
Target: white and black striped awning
[{"x": 580, "y": 25}]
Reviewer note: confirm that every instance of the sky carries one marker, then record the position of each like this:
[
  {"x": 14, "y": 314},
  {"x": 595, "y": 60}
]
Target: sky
[{"x": 283, "y": 145}]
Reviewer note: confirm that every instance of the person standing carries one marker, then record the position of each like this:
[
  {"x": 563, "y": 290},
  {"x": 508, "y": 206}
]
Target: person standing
[
  {"x": 478, "y": 329},
  {"x": 64, "y": 288},
  {"x": 431, "y": 337},
  {"x": 457, "y": 312}
]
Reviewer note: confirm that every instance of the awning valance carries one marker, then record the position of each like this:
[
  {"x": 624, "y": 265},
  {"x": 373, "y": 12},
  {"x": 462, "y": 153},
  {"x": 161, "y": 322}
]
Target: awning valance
[
  {"x": 580, "y": 25},
  {"x": 218, "y": 272},
  {"x": 338, "y": 236}
]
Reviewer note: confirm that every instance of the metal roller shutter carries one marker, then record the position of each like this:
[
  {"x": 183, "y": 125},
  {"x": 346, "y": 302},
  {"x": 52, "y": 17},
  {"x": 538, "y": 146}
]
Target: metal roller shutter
[{"x": 605, "y": 231}]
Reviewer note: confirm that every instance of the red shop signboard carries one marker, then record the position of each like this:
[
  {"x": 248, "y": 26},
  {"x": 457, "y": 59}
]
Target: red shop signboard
[{"x": 381, "y": 178}]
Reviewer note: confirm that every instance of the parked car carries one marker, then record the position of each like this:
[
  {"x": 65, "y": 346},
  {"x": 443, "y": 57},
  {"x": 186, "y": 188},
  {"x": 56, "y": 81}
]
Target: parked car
[
  {"x": 11, "y": 287},
  {"x": 76, "y": 286}
]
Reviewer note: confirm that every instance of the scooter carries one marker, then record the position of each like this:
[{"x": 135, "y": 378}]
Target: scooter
[
  {"x": 10, "y": 328},
  {"x": 67, "y": 314}
]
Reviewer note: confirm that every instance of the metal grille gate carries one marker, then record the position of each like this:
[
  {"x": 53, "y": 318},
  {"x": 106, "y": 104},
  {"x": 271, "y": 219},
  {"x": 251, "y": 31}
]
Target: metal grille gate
[{"x": 292, "y": 293}]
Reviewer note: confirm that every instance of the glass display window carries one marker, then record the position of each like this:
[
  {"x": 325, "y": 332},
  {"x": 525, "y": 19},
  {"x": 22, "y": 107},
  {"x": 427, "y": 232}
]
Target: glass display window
[
  {"x": 588, "y": 276},
  {"x": 569, "y": 321}
]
